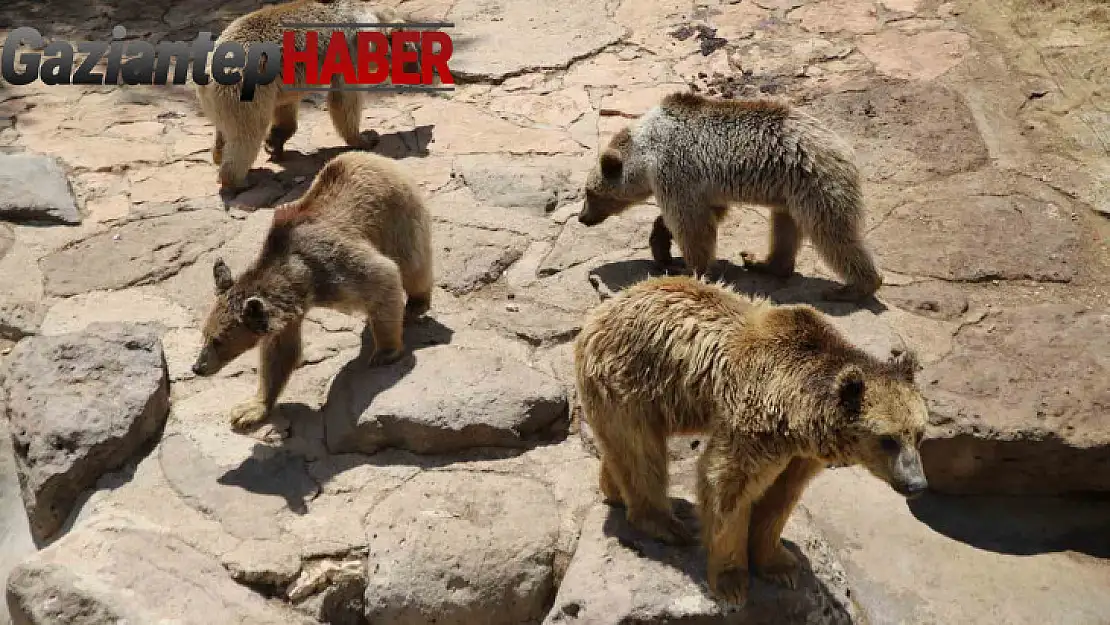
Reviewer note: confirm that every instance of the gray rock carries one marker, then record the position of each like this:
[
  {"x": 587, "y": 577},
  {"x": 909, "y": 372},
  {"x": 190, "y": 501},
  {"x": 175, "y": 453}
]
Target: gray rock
[
  {"x": 451, "y": 398},
  {"x": 619, "y": 577},
  {"x": 15, "y": 537},
  {"x": 116, "y": 570},
  {"x": 470, "y": 258},
  {"x": 81, "y": 405},
  {"x": 536, "y": 185},
  {"x": 510, "y": 37},
  {"x": 136, "y": 252},
  {"x": 462, "y": 547},
  {"x": 35, "y": 188},
  {"x": 1019, "y": 406}
]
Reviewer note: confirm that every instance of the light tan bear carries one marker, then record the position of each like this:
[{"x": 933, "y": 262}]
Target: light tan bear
[
  {"x": 358, "y": 241},
  {"x": 241, "y": 127},
  {"x": 697, "y": 155},
  {"x": 780, "y": 393}
]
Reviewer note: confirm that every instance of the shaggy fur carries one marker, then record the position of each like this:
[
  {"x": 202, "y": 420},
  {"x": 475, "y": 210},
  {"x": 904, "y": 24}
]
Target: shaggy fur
[
  {"x": 697, "y": 155},
  {"x": 241, "y": 127},
  {"x": 358, "y": 241},
  {"x": 781, "y": 394}
]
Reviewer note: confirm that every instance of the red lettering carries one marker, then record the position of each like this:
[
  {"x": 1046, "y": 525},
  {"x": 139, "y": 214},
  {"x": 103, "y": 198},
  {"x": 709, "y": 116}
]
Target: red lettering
[
  {"x": 337, "y": 60},
  {"x": 375, "y": 57},
  {"x": 291, "y": 56},
  {"x": 430, "y": 59},
  {"x": 401, "y": 57}
]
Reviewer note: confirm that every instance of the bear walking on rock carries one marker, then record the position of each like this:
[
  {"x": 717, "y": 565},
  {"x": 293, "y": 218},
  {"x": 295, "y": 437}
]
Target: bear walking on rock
[
  {"x": 358, "y": 241},
  {"x": 697, "y": 155},
  {"x": 271, "y": 116},
  {"x": 780, "y": 393}
]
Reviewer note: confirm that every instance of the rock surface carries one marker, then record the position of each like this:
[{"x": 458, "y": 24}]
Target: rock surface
[
  {"x": 964, "y": 560},
  {"x": 115, "y": 570},
  {"x": 452, "y": 398},
  {"x": 618, "y": 577},
  {"x": 1020, "y": 404},
  {"x": 80, "y": 405},
  {"x": 977, "y": 128},
  {"x": 450, "y": 556},
  {"x": 35, "y": 188}
]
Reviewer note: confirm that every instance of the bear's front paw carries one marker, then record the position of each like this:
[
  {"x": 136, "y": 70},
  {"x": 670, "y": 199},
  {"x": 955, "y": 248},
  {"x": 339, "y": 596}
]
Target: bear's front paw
[
  {"x": 730, "y": 585},
  {"x": 780, "y": 567},
  {"x": 755, "y": 264},
  {"x": 247, "y": 414},
  {"x": 382, "y": 357}
]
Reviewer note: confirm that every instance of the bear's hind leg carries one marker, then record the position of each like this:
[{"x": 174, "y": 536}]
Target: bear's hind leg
[
  {"x": 770, "y": 559},
  {"x": 785, "y": 241}
]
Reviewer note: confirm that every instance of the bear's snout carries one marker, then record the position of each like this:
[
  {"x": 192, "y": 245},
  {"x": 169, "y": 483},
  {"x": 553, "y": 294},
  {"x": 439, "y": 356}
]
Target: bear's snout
[{"x": 912, "y": 489}]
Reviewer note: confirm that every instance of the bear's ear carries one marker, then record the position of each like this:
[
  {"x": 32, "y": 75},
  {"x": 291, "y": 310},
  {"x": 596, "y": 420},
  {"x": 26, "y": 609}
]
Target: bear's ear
[
  {"x": 904, "y": 364},
  {"x": 222, "y": 275},
  {"x": 255, "y": 316},
  {"x": 849, "y": 388},
  {"x": 611, "y": 163}
]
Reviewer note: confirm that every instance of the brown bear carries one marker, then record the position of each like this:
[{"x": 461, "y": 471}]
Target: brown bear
[
  {"x": 780, "y": 393},
  {"x": 697, "y": 155},
  {"x": 242, "y": 127},
  {"x": 357, "y": 241}
]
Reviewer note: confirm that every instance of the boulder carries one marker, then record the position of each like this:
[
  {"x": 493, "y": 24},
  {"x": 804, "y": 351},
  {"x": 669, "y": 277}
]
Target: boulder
[
  {"x": 35, "y": 188},
  {"x": 80, "y": 405},
  {"x": 451, "y": 398},
  {"x": 462, "y": 547},
  {"x": 617, "y": 576},
  {"x": 1020, "y": 404},
  {"x": 116, "y": 570}
]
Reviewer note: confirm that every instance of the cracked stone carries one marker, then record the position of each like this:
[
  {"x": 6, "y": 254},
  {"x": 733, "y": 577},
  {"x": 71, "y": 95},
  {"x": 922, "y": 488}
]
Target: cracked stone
[
  {"x": 462, "y": 547},
  {"x": 466, "y": 128},
  {"x": 905, "y": 132},
  {"x": 35, "y": 188},
  {"x": 136, "y": 252},
  {"x": 118, "y": 569},
  {"x": 80, "y": 405},
  {"x": 922, "y": 56},
  {"x": 837, "y": 16},
  {"x": 511, "y": 37},
  {"x": 451, "y": 398},
  {"x": 470, "y": 258},
  {"x": 979, "y": 227},
  {"x": 667, "y": 585},
  {"x": 536, "y": 185},
  {"x": 933, "y": 299},
  {"x": 1018, "y": 406}
]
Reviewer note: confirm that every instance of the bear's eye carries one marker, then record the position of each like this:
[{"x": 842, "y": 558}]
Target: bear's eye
[{"x": 889, "y": 444}]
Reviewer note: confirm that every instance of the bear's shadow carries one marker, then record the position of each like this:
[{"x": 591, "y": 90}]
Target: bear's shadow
[
  {"x": 1034, "y": 525},
  {"x": 297, "y": 169},
  {"x": 764, "y": 598},
  {"x": 611, "y": 278},
  {"x": 359, "y": 384}
]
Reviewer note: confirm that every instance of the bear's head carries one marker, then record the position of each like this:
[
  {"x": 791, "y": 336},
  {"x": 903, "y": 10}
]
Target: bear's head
[
  {"x": 886, "y": 417},
  {"x": 615, "y": 183},
  {"x": 237, "y": 321}
]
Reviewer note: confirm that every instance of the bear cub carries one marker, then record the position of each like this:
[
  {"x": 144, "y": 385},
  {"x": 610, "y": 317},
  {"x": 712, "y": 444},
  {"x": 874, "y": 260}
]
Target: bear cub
[
  {"x": 780, "y": 393},
  {"x": 358, "y": 241},
  {"x": 698, "y": 155}
]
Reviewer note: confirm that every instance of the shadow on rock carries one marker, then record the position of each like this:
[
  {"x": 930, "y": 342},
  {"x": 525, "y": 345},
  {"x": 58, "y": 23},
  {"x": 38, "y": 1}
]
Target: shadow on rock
[
  {"x": 767, "y": 603},
  {"x": 1019, "y": 525},
  {"x": 299, "y": 168},
  {"x": 611, "y": 278},
  {"x": 274, "y": 472}
]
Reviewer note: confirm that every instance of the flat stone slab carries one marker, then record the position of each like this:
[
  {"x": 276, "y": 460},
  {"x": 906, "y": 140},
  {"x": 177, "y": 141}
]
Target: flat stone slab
[
  {"x": 451, "y": 398},
  {"x": 1020, "y": 405},
  {"x": 504, "y": 38},
  {"x": 80, "y": 405},
  {"x": 35, "y": 188},
  {"x": 617, "y": 576}
]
